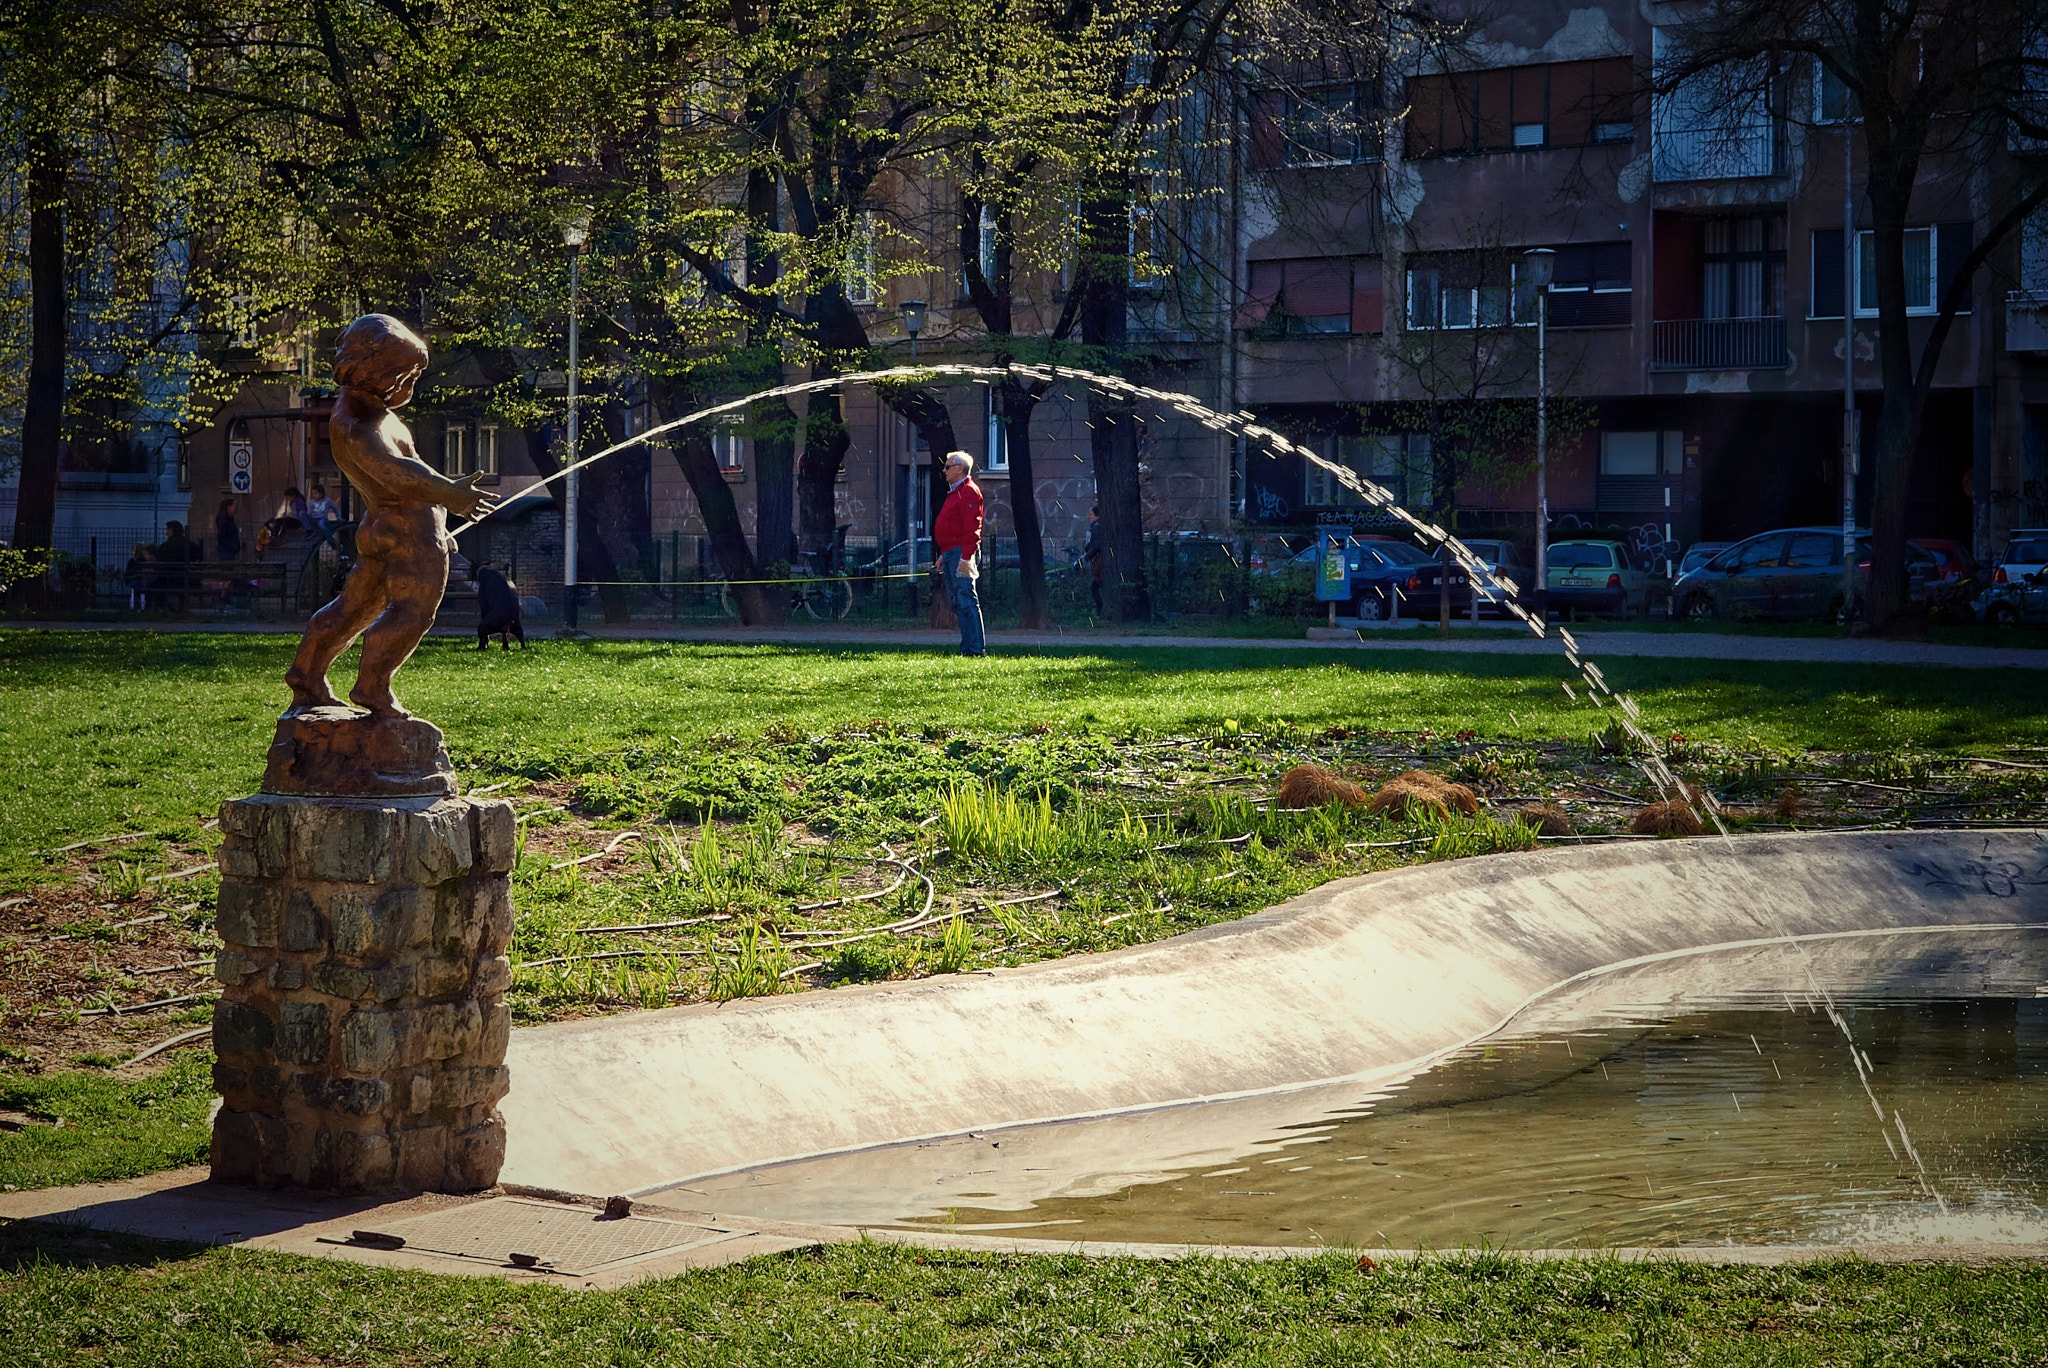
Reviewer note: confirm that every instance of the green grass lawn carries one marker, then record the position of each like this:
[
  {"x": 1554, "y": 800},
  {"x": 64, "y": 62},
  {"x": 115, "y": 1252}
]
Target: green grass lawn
[
  {"x": 87, "y": 1299},
  {"x": 89, "y": 1128},
  {"x": 111, "y": 731}
]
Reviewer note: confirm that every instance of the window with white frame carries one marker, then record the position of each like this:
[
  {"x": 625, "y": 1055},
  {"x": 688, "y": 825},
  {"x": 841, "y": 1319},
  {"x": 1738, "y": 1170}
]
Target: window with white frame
[
  {"x": 456, "y": 450},
  {"x": 729, "y": 449},
  {"x": 860, "y": 263},
  {"x": 996, "y": 453},
  {"x": 1922, "y": 290},
  {"x": 487, "y": 448},
  {"x": 1833, "y": 102},
  {"x": 1466, "y": 290}
]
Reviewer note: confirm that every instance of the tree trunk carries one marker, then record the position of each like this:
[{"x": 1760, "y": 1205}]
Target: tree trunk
[
  {"x": 736, "y": 561},
  {"x": 775, "y": 488},
  {"x": 42, "y": 418},
  {"x": 614, "y": 508},
  {"x": 1113, "y": 431},
  {"x": 1018, "y": 403},
  {"x": 825, "y": 443}
]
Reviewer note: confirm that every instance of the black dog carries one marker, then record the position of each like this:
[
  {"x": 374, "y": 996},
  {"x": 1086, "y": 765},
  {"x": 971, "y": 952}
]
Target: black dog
[{"x": 497, "y": 607}]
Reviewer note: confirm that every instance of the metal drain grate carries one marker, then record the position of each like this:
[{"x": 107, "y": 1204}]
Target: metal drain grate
[{"x": 564, "y": 1239}]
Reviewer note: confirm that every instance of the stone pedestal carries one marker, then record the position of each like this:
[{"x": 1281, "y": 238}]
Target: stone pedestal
[
  {"x": 361, "y": 1030},
  {"x": 340, "y": 751}
]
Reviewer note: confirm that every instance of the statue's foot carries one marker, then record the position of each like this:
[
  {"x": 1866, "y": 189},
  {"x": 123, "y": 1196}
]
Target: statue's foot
[
  {"x": 379, "y": 703},
  {"x": 308, "y": 694}
]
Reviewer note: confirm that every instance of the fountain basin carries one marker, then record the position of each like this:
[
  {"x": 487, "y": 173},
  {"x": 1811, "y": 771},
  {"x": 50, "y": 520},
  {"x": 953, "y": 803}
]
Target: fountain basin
[{"x": 1362, "y": 983}]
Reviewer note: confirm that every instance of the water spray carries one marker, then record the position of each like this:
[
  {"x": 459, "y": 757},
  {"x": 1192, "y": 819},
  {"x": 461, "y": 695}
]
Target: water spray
[{"x": 1644, "y": 749}]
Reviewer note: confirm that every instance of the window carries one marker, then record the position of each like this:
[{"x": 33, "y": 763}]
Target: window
[
  {"x": 1143, "y": 247},
  {"x": 729, "y": 449},
  {"x": 241, "y": 319},
  {"x": 1832, "y": 101},
  {"x": 1330, "y": 126},
  {"x": 1466, "y": 290},
  {"x": 860, "y": 263},
  {"x": 2034, "y": 255},
  {"x": 1555, "y": 104},
  {"x": 1397, "y": 461},
  {"x": 995, "y": 453},
  {"x": 1629, "y": 453},
  {"x": 985, "y": 242},
  {"x": 1763, "y": 553},
  {"x": 1814, "y": 551},
  {"x": 1933, "y": 258},
  {"x": 487, "y": 449},
  {"x": 1742, "y": 267},
  {"x": 456, "y": 452},
  {"x": 1591, "y": 286},
  {"x": 1315, "y": 296}
]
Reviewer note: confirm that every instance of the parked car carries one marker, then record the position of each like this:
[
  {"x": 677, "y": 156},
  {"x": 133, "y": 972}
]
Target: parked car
[
  {"x": 1957, "y": 566},
  {"x": 1698, "y": 554},
  {"x": 1383, "y": 577},
  {"x": 1604, "y": 577},
  {"x": 1501, "y": 558},
  {"x": 1793, "y": 573},
  {"x": 2026, "y": 553}
]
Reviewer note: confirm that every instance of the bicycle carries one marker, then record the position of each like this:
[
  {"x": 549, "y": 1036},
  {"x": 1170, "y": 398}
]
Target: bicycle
[{"x": 823, "y": 588}]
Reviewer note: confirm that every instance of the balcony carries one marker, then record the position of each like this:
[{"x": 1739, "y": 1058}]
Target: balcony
[
  {"x": 1731, "y": 149},
  {"x": 2026, "y": 322},
  {"x": 1690, "y": 344}
]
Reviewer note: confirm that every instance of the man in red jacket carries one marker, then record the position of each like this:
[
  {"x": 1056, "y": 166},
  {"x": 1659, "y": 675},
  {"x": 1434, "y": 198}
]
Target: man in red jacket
[{"x": 957, "y": 537}]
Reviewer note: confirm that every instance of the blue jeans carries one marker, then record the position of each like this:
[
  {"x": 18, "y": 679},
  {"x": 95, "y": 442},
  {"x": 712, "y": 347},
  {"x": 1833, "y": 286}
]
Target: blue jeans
[{"x": 961, "y": 592}]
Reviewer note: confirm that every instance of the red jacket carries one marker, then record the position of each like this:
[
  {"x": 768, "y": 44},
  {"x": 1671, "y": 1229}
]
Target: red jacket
[{"x": 959, "y": 521}]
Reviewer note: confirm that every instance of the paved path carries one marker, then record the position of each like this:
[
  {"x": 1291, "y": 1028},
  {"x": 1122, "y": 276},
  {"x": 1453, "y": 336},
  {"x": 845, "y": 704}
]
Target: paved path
[{"x": 1658, "y": 645}]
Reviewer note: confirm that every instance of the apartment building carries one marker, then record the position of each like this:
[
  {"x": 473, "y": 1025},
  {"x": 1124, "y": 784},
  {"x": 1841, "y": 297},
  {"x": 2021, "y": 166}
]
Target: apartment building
[{"x": 1696, "y": 323}]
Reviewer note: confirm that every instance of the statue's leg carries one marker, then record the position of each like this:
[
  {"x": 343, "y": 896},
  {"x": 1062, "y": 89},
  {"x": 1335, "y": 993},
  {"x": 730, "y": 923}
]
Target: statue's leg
[
  {"x": 330, "y": 632},
  {"x": 414, "y": 579}
]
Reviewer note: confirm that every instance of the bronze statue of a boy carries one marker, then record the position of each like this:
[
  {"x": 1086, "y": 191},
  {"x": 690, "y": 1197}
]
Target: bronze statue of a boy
[{"x": 401, "y": 563}]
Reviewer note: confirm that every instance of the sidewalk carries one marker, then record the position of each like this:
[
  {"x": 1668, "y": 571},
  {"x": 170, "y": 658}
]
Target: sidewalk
[{"x": 1593, "y": 643}]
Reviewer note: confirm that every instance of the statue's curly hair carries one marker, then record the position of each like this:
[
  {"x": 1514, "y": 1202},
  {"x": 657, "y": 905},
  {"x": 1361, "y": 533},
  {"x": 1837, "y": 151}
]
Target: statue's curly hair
[{"x": 375, "y": 351}]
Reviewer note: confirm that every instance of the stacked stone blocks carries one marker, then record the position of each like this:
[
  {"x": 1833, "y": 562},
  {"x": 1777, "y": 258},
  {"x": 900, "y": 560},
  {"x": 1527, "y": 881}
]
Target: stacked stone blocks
[{"x": 361, "y": 1030}]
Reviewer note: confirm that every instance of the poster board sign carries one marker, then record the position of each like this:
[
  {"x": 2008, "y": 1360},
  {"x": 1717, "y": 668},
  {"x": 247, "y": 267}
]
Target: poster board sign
[{"x": 1333, "y": 565}]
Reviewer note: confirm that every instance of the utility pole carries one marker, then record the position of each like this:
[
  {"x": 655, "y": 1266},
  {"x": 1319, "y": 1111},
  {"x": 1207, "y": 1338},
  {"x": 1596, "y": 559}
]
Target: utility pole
[
  {"x": 1542, "y": 266},
  {"x": 1849, "y": 452}
]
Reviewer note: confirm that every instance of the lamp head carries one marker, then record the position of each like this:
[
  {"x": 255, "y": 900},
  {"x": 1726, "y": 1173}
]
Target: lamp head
[
  {"x": 913, "y": 316},
  {"x": 576, "y": 227},
  {"x": 1539, "y": 267}
]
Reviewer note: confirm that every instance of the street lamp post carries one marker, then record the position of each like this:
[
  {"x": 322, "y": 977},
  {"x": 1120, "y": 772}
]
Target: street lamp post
[
  {"x": 913, "y": 323},
  {"x": 575, "y": 233},
  {"x": 1542, "y": 263}
]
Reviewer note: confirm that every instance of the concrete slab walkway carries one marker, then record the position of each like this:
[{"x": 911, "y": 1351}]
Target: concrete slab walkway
[
  {"x": 1462, "y": 641},
  {"x": 184, "y": 1207}
]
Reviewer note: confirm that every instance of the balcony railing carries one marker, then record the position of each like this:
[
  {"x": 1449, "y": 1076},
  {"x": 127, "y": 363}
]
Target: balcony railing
[
  {"x": 1685, "y": 344},
  {"x": 1721, "y": 151},
  {"x": 2026, "y": 322}
]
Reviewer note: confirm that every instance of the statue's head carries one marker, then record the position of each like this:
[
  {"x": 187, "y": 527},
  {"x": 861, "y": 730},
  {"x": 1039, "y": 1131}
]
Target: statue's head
[{"x": 380, "y": 356}]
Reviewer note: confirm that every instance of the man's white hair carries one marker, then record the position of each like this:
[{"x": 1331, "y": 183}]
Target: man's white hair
[{"x": 963, "y": 458}]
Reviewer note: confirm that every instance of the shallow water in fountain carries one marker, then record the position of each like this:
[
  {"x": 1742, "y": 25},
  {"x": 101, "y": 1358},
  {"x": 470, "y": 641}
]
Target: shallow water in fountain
[{"x": 1738, "y": 1120}]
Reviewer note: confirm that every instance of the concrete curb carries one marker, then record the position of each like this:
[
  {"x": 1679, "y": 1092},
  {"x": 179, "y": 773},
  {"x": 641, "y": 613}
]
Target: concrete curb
[{"x": 1366, "y": 980}]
